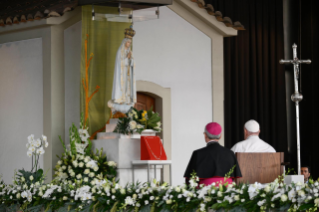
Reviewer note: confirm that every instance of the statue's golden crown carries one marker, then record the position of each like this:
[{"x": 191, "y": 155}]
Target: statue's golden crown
[{"x": 129, "y": 33}]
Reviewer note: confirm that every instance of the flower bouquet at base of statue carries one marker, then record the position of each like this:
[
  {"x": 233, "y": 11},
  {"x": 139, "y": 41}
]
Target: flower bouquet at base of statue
[
  {"x": 137, "y": 121},
  {"x": 80, "y": 163}
]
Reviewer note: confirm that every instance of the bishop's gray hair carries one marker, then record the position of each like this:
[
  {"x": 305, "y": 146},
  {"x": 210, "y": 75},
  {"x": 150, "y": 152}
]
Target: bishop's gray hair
[{"x": 210, "y": 136}]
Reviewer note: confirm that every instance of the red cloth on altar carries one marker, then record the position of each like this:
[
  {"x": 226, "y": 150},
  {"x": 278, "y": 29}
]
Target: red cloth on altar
[{"x": 152, "y": 148}]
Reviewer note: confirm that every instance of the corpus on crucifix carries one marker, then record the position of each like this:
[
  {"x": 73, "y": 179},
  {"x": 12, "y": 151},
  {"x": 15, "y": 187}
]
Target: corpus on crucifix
[{"x": 296, "y": 96}]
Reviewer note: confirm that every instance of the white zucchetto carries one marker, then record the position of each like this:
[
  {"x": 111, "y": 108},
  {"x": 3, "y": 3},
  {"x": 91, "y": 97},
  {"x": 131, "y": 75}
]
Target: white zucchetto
[{"x": 252, "y": 126}]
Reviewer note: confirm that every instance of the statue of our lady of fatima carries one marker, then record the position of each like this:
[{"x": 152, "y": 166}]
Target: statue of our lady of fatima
[{"x": 124, "y": 85}]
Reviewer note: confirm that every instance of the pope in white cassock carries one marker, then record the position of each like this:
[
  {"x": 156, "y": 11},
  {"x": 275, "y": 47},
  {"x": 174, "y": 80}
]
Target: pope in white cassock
[
  {"x": 252, "y": 142},
  {"x": 124, "y": 85}
]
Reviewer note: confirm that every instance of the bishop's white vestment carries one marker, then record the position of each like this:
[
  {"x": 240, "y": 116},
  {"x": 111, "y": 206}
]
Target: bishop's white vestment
[{"x": 252, "y": 144}]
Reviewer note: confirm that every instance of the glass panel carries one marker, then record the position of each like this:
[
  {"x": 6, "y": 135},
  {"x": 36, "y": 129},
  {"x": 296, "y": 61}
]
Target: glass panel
[{"x": 127, "y": 15}]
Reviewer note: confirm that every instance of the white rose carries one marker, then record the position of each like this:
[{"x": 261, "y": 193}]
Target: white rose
[
  {"x": 208, "y": 199},
  {"x": 75, "y": 163},
  {"x": 111, "y": 163},
  {"x": 87, "y": 171},
  {"x": 284, "y": 198},
  {"x": 122, "y": 191},
  {"x": 79, "y": 176},
  {"x": 169, "y": 201},
  {"x": 236, "y": 197},
  {"x": 317, "y": 202},
  {"x": 18, "y": 195},
  {"x": 242, "y": 200},
  {"x": 86, "y": 179},
  {"x": 132, "y": 125},
  {"x": 219, "y": 194},
  {"x": 267, "y": 189},
  {"x": 91, "y": 174},
  {"x": 178, "y": 189},
  {"x": 301, "y": 193},
  {"x": 81, "y": 164},
  {"x": 96, "y": 168},
  {"x": 31, "y": 178},
  {"x": 65, "y": 198},
  {"x": 60, "y": 162},
  {"x": 298, "y": 184}
]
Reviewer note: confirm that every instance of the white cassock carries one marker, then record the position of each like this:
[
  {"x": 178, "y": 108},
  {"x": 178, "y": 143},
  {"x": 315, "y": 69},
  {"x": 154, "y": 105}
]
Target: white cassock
[{"x": 252, "y": 144}]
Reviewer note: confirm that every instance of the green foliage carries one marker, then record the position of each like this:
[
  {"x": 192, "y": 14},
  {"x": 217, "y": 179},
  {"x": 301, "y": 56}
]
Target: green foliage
[{"x": 28, "y": 178}]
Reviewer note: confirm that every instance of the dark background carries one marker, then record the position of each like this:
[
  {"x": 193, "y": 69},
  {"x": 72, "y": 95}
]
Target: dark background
[{"x": 258, "y": 87}]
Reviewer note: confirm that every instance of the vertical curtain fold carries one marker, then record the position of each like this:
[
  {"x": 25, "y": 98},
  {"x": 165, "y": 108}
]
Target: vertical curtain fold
[
  {"x": 254, "y": 79},
  {"x": 308, "y": 48}
]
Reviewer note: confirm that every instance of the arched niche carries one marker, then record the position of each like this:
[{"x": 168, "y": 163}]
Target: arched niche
[{"x": 163, "y": 104}]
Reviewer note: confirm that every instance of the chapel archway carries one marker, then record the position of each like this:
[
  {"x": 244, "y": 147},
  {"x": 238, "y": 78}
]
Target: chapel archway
[{"x": 163, "y": 107}]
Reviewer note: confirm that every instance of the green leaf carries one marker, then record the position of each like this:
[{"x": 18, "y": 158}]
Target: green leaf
[
  {"x": 63, "y": 144},
  {"x": 306, "y": 206}
]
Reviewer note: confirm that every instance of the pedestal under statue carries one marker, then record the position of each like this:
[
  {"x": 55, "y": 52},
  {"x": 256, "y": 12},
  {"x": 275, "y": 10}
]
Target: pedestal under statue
[
  {"x": 124, "y": 149},
  {"x": 124, "y": 84}
]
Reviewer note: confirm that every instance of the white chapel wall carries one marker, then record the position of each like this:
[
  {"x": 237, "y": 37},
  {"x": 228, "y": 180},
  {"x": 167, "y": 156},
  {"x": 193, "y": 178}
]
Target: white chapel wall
[
  {"x": 21, "y": 105},
  {"x": 174, "y": 54},
  {"x": 72, "y": 67}
]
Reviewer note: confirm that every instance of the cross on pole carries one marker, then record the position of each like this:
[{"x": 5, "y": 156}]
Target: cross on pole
[{"x": 296, "y": 97}]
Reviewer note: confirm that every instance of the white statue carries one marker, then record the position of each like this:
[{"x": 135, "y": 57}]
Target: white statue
[{"x": 124, "y": 85}]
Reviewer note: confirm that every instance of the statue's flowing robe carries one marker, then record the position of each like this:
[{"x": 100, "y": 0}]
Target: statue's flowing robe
[{"x": 124, "y": 85}]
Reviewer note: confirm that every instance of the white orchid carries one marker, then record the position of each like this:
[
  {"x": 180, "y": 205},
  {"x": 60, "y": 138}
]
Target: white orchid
[
  {"x": 40, "y": 151},
  {"x": 32, "y": 149},
  {"x": 30, "y": 138}
]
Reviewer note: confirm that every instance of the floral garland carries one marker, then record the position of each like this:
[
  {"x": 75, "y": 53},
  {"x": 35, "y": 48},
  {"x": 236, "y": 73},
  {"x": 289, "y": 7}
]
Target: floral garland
[
  {"x": 105, "y": 195},
  {"x": 136, "y": 121},
  {"x": 85, "y": 182}
]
